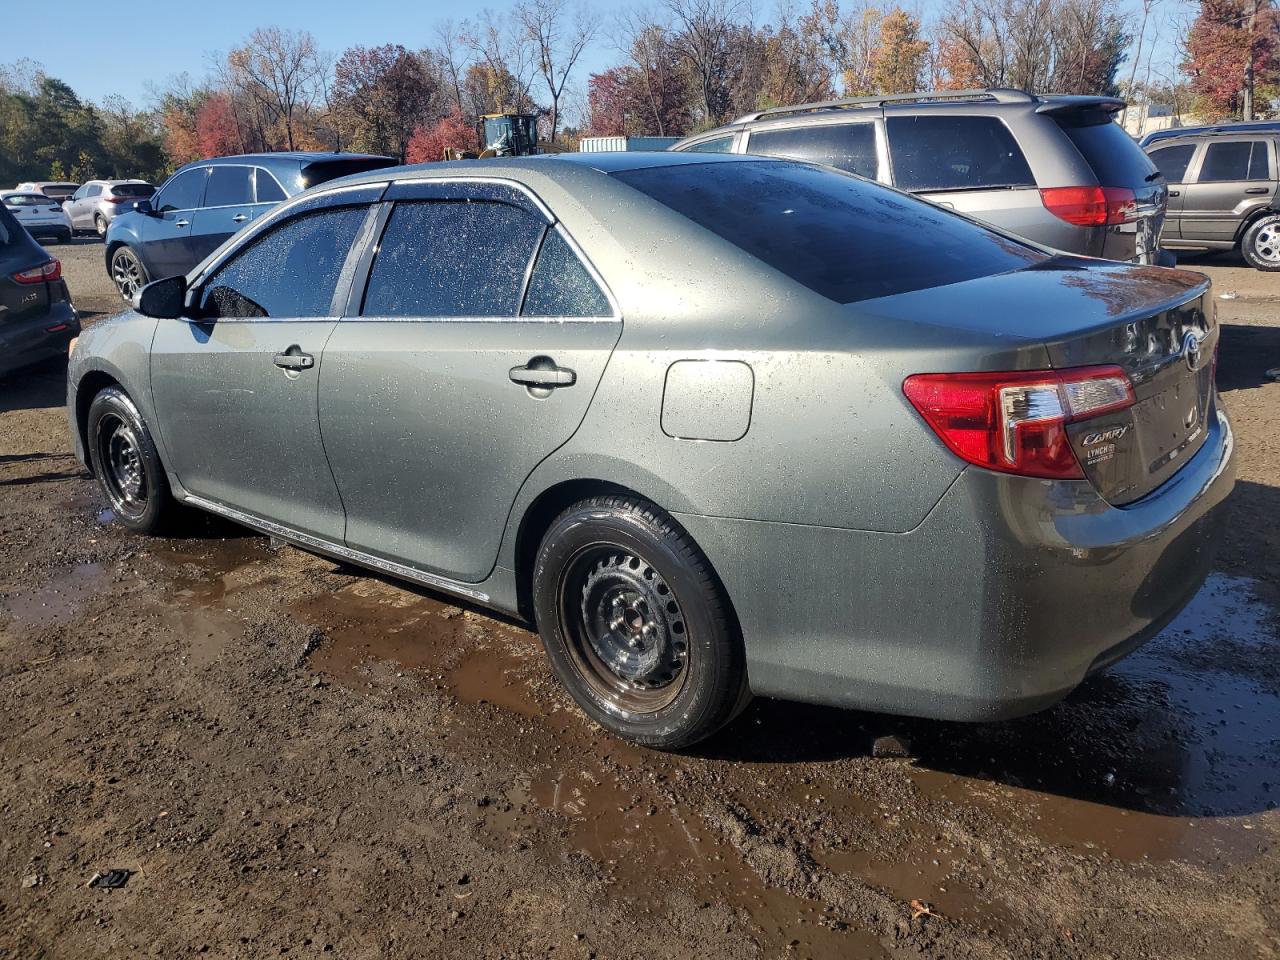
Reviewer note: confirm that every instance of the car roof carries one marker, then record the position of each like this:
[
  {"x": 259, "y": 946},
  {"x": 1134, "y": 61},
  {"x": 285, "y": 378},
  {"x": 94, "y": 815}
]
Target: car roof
[{"x": 303, "y": 156}]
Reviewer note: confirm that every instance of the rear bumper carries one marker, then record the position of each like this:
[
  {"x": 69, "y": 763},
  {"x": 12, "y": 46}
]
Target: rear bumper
[
  {"x": 30, "y": 340},
  {"x": 1009, "y": 593}
]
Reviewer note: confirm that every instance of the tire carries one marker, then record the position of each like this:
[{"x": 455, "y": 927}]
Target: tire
[
  {"x": 127, "y": 465},
  {"x": 100, "y": 225},
  {"x": 1260, "y": 244},
  {"x": 127, "y": 273},
  {"x": 636, "y": 624}
]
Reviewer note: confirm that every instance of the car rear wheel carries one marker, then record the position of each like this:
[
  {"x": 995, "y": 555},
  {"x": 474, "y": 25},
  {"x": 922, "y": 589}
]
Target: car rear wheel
[
  {"x": 1260, "y": 244},
  {"x": 128, "y": 273},
  {"x": 126, "y": 463},
  {"x": 636, "y": 625},
  {"x": 100, "y": 224}
]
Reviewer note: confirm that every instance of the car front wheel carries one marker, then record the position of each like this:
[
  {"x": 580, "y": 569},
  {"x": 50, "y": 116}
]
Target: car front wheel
[
  {"x": 636, "y": 624},
  {"x": 1260, "y": 244},
  {"x": 126, "y": 463},
  {"x": 100, "y": 224},
  {"x": 128, "y": 273}
]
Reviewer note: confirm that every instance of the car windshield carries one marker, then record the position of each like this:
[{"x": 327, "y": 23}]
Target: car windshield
[
  {"x": 132, "y": 190},
  {"x": 28, "y": 200},
  {"x": 842, "y": 237}
]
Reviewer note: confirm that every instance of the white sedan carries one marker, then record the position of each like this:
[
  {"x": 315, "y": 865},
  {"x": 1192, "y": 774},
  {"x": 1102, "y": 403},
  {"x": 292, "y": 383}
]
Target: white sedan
[{"x": 39, "y": 214}]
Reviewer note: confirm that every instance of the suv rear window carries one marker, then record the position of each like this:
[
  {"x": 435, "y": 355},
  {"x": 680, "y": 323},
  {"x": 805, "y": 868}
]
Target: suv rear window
[
  {"x": 847, "y": 146},
  {"x": 841, "y": 237},
  {"x": 955, "y": 153},
  {"x": 1115, "y": 157},
  {"x": 132, "y": 190}
]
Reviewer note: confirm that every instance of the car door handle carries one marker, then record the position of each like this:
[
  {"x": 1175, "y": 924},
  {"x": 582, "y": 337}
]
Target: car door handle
[
  {"x": 182, "y": 223},
  {"x": 1258, "y": 190},
  {"x": 240, "y": 218},
  {"x": 543, "y": 372},
  {"x": 1175, "y": 193},
  {"x": 294, "y": 361}
]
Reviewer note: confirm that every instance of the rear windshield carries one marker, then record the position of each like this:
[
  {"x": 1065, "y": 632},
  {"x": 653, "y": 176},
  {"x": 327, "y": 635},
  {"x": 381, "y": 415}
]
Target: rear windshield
[
  {"x": 133, "y": 190},
  {"x": 844, "y": 238},
  {"x": 1115, "y": 157},
  {"x": 324, "y": 170},
  {"x": 28, "y": 200}
]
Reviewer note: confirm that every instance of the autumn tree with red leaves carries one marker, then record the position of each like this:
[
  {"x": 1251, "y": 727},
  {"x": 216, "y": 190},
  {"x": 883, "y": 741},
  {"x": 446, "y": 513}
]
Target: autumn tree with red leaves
[
  {"x": 428, "y": 143},
  {"x": 1233, "y": 48}
]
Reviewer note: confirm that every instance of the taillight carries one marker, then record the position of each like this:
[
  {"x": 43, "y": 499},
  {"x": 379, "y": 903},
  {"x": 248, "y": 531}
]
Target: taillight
[
  {"x": 46, "y": 271},
  {"x": 118, "y": 199},
  {"x": 1016, "y": 422},
  {"x": 1091, "y": 206}
]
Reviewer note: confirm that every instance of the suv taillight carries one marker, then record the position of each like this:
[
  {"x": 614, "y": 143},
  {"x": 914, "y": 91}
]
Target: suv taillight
[
  {"x": 1091, "y": 206},
  {"x": 46, "y": 271},
  {"x": 1016, "y": 422}
]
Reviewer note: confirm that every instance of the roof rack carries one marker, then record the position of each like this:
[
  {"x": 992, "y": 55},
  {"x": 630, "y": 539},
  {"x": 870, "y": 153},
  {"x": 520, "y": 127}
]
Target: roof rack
[{"x": 998, "y": 94}]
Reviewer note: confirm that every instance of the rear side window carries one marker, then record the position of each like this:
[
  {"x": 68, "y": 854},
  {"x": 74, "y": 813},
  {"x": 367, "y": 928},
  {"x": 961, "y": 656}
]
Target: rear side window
[
  {"x": 229, "y": 187},
  {"x": 560, "y": 285},
  {"x": 841, "y": 237},
  {"x": 1172, "y": 161},
  {"x": 268, "y": 190},
  {"x": 850, "y": 146},
  {"x": 1241, "y": 160},
  {"x": 183, "y": 192},
  {"x": 452, "y": 259},
  {"x": 715, "y": 145},
  {"x": 955, "y": 153},
  {"x": 1115, "y": 157},
  {"x": 94, "y": 190},
  {"x": 290, "y": 271}
]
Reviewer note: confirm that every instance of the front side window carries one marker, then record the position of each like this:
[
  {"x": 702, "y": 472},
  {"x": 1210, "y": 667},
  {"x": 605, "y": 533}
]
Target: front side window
[
  {"x": 183, "y": 192},
  {"x": 840, "y": 236},
  {"x": 229, "y": 187},
  {"x": 291, "y": 270},
  {"x": 452, "y": 259},
  {"x": 955, "y": 153},
  {"x": 1172, "y": 161},
  {"x": 714, "y": 145},
  {"x": 1238, "y": 160},
  {"x": 850, "y": 146},
  {"x": 560, "y": 285}
]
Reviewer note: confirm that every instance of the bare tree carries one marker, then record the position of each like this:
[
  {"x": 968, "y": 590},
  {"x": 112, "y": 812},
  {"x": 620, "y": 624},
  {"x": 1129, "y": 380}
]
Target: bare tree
[
  {"x": 280, "y": 72},
  {"x": 646, "y": 39},
  {"x": 702, "y": 33},
  {"x": 558, "y": 40},
  {"x": 505, "y": 52},
  {"x": 450, "y": 58}
]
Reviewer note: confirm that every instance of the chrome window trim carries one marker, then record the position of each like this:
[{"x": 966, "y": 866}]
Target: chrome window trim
[{"x": 328, "y": 547}]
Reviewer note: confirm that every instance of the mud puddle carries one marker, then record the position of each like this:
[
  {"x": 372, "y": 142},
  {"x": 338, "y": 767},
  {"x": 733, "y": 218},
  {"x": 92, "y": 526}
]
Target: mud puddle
[{"x": 58, "y": 601}]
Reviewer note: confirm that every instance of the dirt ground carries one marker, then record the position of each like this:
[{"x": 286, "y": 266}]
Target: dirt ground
[{"x": 295, "y": 758}]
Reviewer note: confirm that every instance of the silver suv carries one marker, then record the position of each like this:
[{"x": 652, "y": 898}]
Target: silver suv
[
  {"x": 97, "y": 203},
  {"x": 1053, "y": 169}
]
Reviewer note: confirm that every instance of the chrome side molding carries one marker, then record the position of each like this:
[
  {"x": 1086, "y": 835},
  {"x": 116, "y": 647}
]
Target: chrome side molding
[{"x": 337, "y": 550}]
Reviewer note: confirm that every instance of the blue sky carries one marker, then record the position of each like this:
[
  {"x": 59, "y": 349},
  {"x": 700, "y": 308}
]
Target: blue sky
[{"x": 101, "y": 50}]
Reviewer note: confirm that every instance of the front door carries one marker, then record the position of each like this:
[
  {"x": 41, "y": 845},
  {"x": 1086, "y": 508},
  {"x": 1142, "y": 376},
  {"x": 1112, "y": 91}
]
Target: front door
[
  {"x": 166, "y": 233},
  {"x": 235, "y": 389},
  {"x": 1234, "y": 180},
  {"x": 228, "y": 206},
  {"x": 442, "y": 394}
]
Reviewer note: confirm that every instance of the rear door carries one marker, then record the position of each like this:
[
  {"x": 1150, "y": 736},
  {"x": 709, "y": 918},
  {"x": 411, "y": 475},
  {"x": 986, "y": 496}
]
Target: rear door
[
  {"x": 228, "y": 205},
  {"x": 971, "y": 163},
  {"x": 1235, "y": 177},
  {"x": 166, "y": 233},
  {"x": 474, "y": 355},
  {"x": 851, "y": 147},
  {"x": 1173, "y": 161},
  {"x": 235, "y": 389}
]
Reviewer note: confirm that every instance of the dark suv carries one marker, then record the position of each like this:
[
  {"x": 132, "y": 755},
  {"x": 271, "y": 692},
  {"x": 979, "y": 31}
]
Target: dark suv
[
  {"x": 37, "y": 320},
  {"x": 1222, "y": 193},
  {"x": 1053, "y": 169},
  {"x": 205, "y": 202}
]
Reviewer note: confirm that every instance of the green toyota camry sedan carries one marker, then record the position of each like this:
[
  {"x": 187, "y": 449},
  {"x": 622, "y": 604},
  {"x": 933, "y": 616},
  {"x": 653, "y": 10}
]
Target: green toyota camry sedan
[{"x": 716, "y": 425}]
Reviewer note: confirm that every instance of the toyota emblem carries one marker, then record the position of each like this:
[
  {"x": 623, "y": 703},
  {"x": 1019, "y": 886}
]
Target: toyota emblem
[{"x": 1191, "y": 351}]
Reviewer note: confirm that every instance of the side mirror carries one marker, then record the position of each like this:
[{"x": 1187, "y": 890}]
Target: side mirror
[
  {"x": 163, "y": 299},
  {"x": 143, "y": 207}
]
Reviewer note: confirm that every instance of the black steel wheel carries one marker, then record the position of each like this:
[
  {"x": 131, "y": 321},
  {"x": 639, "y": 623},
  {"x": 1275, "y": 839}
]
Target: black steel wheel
[
  {"x": 636, "y": 624},
  {"x": 124, "y": 460}
]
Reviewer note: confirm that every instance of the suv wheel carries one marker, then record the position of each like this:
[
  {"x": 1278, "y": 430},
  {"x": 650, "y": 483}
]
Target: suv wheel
[
  {"x": 636, "y": 625},
  {"x": 1260, "y": 244},
  {"x": 126, "y": 463},
  {"x": 128, "y": 273},
  {"x": 100, "y": 224}
]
